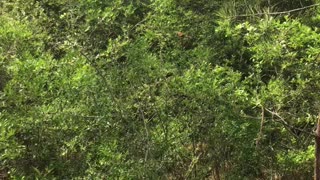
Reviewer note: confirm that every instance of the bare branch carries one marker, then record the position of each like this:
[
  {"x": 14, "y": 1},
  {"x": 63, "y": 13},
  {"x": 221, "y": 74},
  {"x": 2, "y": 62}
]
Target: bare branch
[
  {"x": 261, "y": 127},
  {"x": 278, "y": 13},
  {"x": 286, "y": 124}
]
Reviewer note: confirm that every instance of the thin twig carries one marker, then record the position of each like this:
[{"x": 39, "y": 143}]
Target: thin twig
[
  {"x": 261, "y": 127},
  {"x": 285, "y": 123},
  {"x": 193, "y": 162},
  {"x": 147, "y": 135},
  {"x": 138, "y": 24},
  {"x": 278, "y": 13}
]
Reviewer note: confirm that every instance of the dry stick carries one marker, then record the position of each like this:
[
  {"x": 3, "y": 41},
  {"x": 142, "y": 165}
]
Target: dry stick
[
  {"x": 193, "y": 162},
  {"x": 138, "y": 24},
  {"x": 147, "y": 134},
  {"x": 278, "y": 13},
  {"x": 259, "y": 118},
  {"x": 286, "y": 124},
  {"x": 261, "y": 127}
]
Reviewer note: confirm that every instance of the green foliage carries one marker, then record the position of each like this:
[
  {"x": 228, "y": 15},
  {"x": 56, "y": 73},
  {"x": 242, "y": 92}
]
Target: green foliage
[{"x": 157, "y": 89}]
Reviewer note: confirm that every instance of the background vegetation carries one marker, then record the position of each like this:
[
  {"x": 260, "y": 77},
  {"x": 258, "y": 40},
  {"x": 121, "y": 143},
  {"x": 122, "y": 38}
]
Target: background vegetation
[{"x": 158, "y": 89}]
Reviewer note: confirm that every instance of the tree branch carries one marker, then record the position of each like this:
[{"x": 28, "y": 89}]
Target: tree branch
[
  {"x": 278, "y": 13},
  {"x": 260, "y": 134},
  {"x": 286, "y": 124}
]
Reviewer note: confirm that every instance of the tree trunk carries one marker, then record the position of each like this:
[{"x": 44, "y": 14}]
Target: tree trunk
[{"x": 317, "y": 152}]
